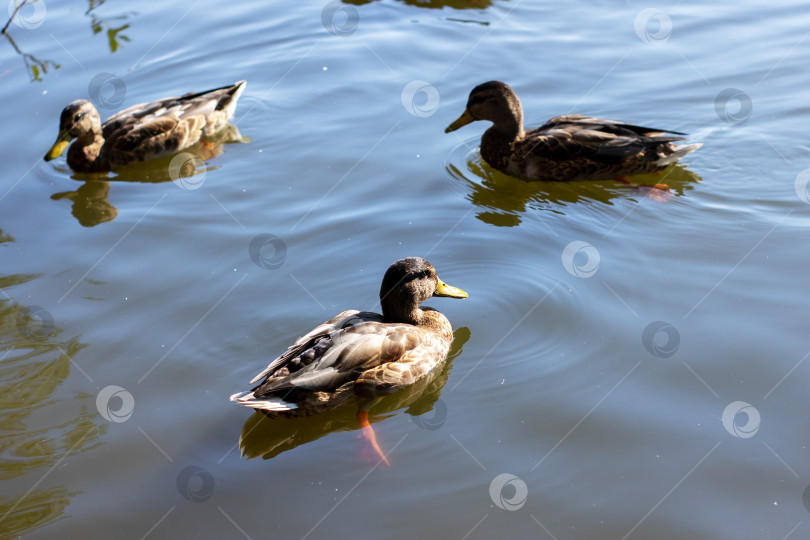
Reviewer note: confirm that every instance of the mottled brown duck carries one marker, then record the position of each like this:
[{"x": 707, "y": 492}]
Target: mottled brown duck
[
  {"x": 361, "y": 355},
  {"x": 142, "y": 132},
  {"x": 566, "y": 148}
]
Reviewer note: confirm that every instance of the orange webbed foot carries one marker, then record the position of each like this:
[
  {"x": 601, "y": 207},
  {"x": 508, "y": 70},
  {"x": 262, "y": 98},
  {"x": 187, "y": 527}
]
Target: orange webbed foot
[
  {"x": 368, "y": 434},
  {"x": 660, "y": 193}
]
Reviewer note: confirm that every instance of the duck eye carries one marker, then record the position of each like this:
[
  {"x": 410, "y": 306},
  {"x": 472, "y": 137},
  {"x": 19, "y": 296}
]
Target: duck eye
[{"x": 78, "y": 117}]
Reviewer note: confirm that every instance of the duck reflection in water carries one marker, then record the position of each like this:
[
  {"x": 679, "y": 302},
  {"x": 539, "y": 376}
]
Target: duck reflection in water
[
  {"x": 267, "y": 437},
  {"x": 503, "y": 200},
  {"x": 91, "y": 205}
]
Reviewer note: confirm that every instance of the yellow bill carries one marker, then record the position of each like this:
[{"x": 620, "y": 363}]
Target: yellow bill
[
  {"x": 61, "y": 144},
  {"x": 462, "y": 121},
  {"x": 443, "y": 289}
]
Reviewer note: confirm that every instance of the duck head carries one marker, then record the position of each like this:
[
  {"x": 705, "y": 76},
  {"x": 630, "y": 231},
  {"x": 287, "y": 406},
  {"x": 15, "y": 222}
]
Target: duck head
[{"x": 79, "y": 119}]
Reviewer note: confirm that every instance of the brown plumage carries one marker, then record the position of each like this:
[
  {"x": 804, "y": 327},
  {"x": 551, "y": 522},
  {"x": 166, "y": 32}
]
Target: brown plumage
[
  {"x": 141, "y": 132},
  {"x": 360, "y": 354},
  {"x": 566, "y": 148}
]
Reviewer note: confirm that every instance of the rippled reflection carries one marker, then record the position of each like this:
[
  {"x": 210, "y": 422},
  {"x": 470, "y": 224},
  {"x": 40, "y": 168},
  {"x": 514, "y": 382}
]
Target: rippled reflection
[
  {"x": 90, "y": 201},
  {"x": 39, "y": 508},
  {"x": 38, "y": 430},
  {"x": 503, "y": 200},
  {"x": 268, "y": 437}
]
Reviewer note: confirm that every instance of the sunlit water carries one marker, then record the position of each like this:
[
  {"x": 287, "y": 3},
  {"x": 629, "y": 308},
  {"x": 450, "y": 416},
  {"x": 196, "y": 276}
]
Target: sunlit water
[{"x": 636, "y": 365}]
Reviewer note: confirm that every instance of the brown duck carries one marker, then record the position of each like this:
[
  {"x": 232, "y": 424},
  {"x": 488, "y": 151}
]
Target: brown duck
[
  {"x": 141, "y": 132},
  {"x": 360, "y": 354},
  {"x": 566, "y": 148}
]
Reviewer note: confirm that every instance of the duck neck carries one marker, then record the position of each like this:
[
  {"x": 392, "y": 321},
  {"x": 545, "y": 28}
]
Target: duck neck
[
  {"x": 85, "y": 150},
  {"x": 401, "y": 313},
  {"x": 511, "y": 127},
  {"x": 91, "y": 139}
]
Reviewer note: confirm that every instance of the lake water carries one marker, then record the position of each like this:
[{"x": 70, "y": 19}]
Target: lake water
[{"x": 624, "y": 367}]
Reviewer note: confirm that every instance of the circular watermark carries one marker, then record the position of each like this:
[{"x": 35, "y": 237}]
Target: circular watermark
[
  {"x": 504, "y": 500},
  {"x": 661, "y": 339},
  {"x": 107, "y": 90},
  {"x": 806, "y": 498},
  {"x": 267, "y": 251},
  {"x": 433, "y": 421},
  {"x": 28, "y": 15},
  {"x": 115, "y": 404},
  {"x": 195, "y": 484},
  {"x": 35, "y": 323},
  {"x": 340, "y": 19},
  {"x": 733, "y": 106},
  {"x": 420, "y": 98},
  {"x": 653, "y": 26},
  {"x": 580, "y": 259},
  {"x": 801, "y": 185},
  {"x": 187, "y": 171},
  {"x": 730, "y": 414}
]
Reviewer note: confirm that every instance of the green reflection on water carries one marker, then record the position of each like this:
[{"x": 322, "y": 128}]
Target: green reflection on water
[
  {"x": 34, "y": 362},
  {"x": 39, "y": 508},
  {"x": 503, "y": 200},
  {"x": 268, "y": 437}
]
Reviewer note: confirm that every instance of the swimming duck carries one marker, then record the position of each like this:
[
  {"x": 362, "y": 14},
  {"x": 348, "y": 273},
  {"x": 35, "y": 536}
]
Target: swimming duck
[
  {"x": 566, "y": 148},
  {"x": 360, "y": 354},
  {"x": 141, "y": 132}
]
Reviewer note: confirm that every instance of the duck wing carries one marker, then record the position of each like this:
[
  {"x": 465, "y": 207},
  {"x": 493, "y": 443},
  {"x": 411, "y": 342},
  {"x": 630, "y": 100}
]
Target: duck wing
[
  {"x": 607, "y": 126},
  {"x": 576, "y": 137},
  {"x": 318, "y": 337},
  {"x": 216, "y": 103},
  {"x": 352, "y": 345}
]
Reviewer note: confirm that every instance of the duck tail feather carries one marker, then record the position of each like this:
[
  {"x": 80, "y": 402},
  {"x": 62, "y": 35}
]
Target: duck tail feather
[
  {"x": 265, "y": 404},
  {"x": 678, "y": 152}
]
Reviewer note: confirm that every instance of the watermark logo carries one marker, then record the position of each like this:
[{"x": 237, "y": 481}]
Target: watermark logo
[
  {"x": 733, "y": 411},
  {"x": 508, "y": 492},
  {"x": 340, "y": 19},
  {"x": 801, "y": 184},
  {"x": 267, "y": 251},
  {"x": 195, "y": 484},
  {"x": 34, "y": 323},
  {"x": 806, "y": 498},
  {"x": 420, "y": 98},
  {"x": 661, "y": 339},
  {"x": 107, "y": 90},
  {"x": 580, "y": 259},
  {"x": 653, "y": 26},
  {"x": 28, "y": 15},
  {"x": 187, "y": 171},
  {"x": 115, "y": 404},
  {"x": 733, "y": 106},
  {"x": 433, "y": 421}
]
